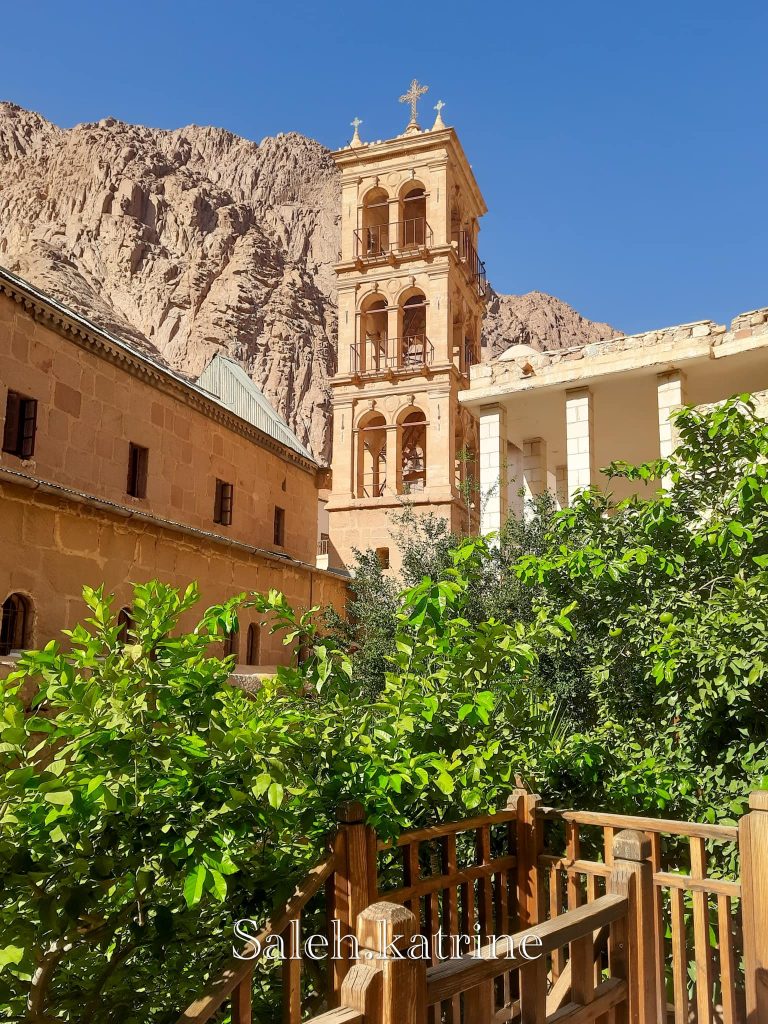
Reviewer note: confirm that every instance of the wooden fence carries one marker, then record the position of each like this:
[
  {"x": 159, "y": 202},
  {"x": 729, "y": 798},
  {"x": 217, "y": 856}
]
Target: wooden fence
[{"x": 639, "y": 920}]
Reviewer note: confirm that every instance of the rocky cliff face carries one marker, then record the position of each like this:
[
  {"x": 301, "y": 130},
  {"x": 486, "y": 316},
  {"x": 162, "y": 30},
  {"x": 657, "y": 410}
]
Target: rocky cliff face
[{"x": 193, "y": 241}]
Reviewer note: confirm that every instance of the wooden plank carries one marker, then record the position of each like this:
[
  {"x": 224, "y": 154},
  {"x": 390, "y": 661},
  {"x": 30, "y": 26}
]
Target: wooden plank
[
  {"x": 618, "y": 963},
  {"x": 702, "y": 948},
  {"x": 435, "y": 883},
  {"x": 502, "y": 925},
  {"x": 607, "y": 995},
  {"x": 582, "y": 970},
  {"x": 658, "y": 927},
  {"x": 448, "y": 866},
  {"x": 713, "y": 886},
  {"x": 478, "y": 1004},
  {"x": 584, "y": 867},
  {"x": 679, "y": 957},
  {"x": 727, "y": 959},
  {"x": 430, "y": 928},
  {"x": 342, "y": 1015},
  {"x": 572, "y": 850},
  {"x": 411, "y": 873},
  {"x": 464, "y": 973},
  {"x": 663, "y": 825},
  {"x": 753, "y": 850},
  {"x": 449, "y": 828},
  {"x": 291, "y": 974},
  {"x": 533, "y": 992},
  {"x": 591, "y": 897},
  {"x": 484, "y": 890},
  {"x": 242, "y": 1001},
  {"x": 555, "y": 910}
]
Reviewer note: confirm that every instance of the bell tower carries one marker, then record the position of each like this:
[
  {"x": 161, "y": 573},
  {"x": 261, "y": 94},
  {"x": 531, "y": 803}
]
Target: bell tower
[{"x": 411, "y": 295}]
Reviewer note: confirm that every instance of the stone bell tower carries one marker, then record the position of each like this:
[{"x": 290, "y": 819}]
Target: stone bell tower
[{"x": 411, "y": 297}]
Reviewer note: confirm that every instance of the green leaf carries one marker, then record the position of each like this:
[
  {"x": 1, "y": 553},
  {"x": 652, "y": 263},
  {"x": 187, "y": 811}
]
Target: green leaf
[
  {"x": 59, "y": 797},
  {"x": 275, "y": 794},
  {"x": 194, "y": 884}
]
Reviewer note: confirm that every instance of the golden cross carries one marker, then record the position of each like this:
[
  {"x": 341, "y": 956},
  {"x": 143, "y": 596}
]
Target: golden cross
[{"x": 412, "y": 97}]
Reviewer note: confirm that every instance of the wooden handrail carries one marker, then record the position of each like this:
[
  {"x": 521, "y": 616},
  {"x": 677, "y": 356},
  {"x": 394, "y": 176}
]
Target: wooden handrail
[
  {"x": 698, "y": 830},
  {"x": 452, "y": 977},
  {"x": 236, "y": 970},
  {"x": 341, "y": 1015},
  {"x": 423, "y": 835}
]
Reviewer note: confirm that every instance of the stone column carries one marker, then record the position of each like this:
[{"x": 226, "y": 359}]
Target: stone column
[
  {"x": 534, "y": 470},
  {"x": 515, "y": 479},
  {"x": 670, "y": 389},
  {"x": 580, "y": 441},
  {"x": 493, "y": 469},
  {"x": 561, "y": 486}
]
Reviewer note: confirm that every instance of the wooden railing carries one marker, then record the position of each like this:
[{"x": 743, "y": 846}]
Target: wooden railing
[{"x": 639, "y": 919}]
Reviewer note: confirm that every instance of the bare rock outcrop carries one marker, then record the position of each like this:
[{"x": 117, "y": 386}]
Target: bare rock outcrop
[
  {"x": 539, "y": 320},
  {"x": 193, "y": 241}
]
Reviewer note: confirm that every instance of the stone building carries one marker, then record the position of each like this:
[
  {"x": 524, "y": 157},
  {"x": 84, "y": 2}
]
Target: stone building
[
  {"x": 411, "y": 297},
  {"x": 551, "y": 420},
  {"x": 115, "y": 469}
]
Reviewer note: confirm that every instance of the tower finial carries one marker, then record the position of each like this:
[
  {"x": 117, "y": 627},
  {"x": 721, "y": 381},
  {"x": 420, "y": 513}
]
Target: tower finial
[
  {"x": 439, "y": 119},
  {"x": 356, "y": 140},
  {"x": 412, "y": 96}
]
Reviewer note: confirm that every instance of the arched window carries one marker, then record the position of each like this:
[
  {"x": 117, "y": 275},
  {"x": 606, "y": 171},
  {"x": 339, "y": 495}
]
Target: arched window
[
  {"x": 252, "y": 645},
  {"x": 232, "y": 644},
  {"x": 413, "y": 449},
  {"x": 372, "y": 456},
  {"x": 413, "y": 233},
  {"x": 17, "y": 620},
  {"x": 124, "y": 623},
  {"x": 373, "y": 239},
  {"x": 414, "y": 344},
  {"x": 374, "y": 351}
]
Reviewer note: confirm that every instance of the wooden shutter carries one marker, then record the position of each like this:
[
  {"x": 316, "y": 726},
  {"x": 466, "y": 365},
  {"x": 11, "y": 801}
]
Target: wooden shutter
[
  {"x": 28, "y": 427},
  {"x": 143, "y": 471}
]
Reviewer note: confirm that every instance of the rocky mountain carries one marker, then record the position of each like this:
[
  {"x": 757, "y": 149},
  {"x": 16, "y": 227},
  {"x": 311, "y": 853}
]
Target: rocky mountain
[
  {"x": 539, "y": 320},
  {"x": 192, "y": 241}
]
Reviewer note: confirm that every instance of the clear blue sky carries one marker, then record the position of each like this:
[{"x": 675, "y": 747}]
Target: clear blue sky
[{"x": 622, "y": 147}]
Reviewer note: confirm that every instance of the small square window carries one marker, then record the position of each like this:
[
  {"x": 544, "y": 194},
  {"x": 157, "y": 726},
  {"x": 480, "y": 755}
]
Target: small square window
[
  {"x": 383, "y": 556},
  {"x": 20, "y": 425},
  {"x": 222, "y": 508},
  {"x": 138, "y": 463},
  {"x": 279, "y": 536}
]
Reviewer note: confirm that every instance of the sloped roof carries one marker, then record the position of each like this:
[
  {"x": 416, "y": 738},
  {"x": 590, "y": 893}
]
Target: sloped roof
[{"x": 228, "y": 382}]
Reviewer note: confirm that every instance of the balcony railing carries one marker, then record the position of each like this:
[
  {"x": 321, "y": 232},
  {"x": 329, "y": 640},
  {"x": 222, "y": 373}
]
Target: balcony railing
[
  {"x": 382, "y": 239},
  {"x": 475, "y": 266},
  {"x": 381, "y": 354}
]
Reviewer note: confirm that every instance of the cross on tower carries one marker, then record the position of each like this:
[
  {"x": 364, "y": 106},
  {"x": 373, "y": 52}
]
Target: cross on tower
[
  {"x": 412, "y": 96},
  {"x": 356, "y": 123}
]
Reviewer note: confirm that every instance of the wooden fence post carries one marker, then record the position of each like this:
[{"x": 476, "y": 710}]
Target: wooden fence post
[
  {"x": 386, "y": 988},
  {"x": 530, "y": 832},
  {"x": 353, "y": 884},
  {"x": 753, "y": 852},
  {"x": 633, "y": 943}
]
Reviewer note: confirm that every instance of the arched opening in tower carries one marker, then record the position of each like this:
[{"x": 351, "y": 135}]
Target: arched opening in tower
[
  {"x": 375, "y": 224},
  {"x": 372, "y": 457},
  {"x": 413, "y": 233},
  {"x": 414, "y": 343},
  {"x": 413, "y": 448}
]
